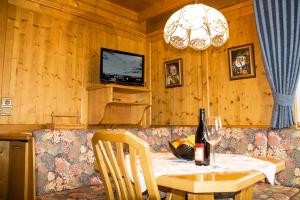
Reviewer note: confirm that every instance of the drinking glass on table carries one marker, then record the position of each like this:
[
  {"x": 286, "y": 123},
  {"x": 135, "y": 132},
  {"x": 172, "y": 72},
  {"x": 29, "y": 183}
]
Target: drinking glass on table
[{"x": 212, "y": 135}]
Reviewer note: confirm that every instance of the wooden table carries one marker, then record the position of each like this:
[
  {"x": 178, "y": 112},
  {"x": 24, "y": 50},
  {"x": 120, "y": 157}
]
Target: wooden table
[{"x": 203, "y": 186}]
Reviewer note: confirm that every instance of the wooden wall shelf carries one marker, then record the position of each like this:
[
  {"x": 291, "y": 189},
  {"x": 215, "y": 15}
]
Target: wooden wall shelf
[{"x": 117, "y": 105}]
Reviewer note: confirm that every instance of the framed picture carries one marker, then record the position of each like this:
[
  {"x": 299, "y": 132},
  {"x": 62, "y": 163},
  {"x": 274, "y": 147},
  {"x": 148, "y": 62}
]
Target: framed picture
[
  {"x": 173, "y": 73},
  {"x": 241, "y": 62},
  {"x": 7, "y": 101}
]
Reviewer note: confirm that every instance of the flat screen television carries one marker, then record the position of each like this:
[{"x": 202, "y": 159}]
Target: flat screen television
[{"x": 121, "y": 67}]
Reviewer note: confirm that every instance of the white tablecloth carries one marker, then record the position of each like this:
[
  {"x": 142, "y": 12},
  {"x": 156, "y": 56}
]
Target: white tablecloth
[{"x": 168, "y": 164}]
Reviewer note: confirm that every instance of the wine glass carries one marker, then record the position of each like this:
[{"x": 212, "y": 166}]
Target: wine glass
[{"x": 212, "y": 135}]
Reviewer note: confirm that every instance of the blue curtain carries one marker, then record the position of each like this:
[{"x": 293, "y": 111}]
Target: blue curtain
[{"x": 278, "y": 25}]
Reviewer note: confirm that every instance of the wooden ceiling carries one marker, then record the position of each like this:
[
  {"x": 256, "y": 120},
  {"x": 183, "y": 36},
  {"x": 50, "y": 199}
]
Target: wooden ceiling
[
  {"x": 148, "y": 9},
  {"x": 135, "y": 5}
]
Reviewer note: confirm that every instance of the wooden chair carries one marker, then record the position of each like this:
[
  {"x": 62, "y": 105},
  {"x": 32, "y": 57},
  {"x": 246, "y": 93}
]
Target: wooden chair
[{"x": 109, "y": 148}]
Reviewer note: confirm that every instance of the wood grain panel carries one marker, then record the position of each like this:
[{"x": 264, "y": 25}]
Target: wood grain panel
[
  {"x": 246, "y": 101},
  {"x": 178, "y": 105},
  {"x": 3, "y": 22},
  {"x": 98, "y": 11},
  {"x": 51, "y": 57},
  {"x": 4, "y": 163},
  {"x": 242, "y": 103}
]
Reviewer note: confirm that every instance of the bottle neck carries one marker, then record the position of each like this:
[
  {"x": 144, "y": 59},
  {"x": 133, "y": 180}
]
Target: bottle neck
[{"x": 201, "y": 116}]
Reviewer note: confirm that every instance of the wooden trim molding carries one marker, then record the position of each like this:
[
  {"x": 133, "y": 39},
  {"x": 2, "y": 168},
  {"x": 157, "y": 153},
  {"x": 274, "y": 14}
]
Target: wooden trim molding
[
  {"x": 17, "y": 128},
  {"x": 99, "y": 16}
]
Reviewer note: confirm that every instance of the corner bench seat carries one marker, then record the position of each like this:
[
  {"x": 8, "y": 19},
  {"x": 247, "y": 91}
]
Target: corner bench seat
[
  {"x": 64, "y": 159},
  {"x": 96, "y": 192},
  {"x": 262, "y": 191}
]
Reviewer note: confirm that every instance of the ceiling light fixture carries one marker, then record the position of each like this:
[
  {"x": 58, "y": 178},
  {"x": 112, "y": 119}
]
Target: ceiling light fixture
[{"x": 197, "y": 26}]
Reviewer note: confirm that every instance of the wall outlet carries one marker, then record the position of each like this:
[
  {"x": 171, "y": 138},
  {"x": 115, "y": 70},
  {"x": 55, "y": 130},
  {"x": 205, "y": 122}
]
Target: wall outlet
[{"x": 6, "y": 106}]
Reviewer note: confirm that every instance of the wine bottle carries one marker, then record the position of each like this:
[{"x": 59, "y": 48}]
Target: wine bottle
[{"x": 202, "y": 148}]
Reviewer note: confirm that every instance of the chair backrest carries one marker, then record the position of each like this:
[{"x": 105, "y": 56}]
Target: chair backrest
[{"x": 109, "y": 149}]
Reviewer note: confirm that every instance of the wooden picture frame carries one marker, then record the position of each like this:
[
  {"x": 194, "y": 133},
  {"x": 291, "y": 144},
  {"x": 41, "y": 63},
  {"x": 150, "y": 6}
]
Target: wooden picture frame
[
  {"x": 173, "y": 73},
  {"x": 241, "y": 62}
]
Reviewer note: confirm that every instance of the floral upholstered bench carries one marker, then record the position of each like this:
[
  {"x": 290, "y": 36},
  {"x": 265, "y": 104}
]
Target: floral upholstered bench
[
  {"x": 64, "y": 165},
  {"x": 65, "y": 162},
  {"x": 64, "y": 159},
  {"x": 282, "y": 144}
]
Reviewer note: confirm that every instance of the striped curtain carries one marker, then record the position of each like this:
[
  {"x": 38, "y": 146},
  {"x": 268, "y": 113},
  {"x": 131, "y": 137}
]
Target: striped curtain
[{"x": 278, "y": 25}]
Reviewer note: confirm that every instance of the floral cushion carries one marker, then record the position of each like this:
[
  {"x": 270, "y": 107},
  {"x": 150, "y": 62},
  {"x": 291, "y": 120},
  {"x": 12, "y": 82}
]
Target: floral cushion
[
  {"x": 82, "y": 193},
  {"x": 157, "y": 138},
  {"x": 267, "y": 191},
  {"x": 243, "y": 141},
  {"x": 182, "y": 131},
  {"x": 64, "y": 160},
  {"x": 284, "y": 145}
]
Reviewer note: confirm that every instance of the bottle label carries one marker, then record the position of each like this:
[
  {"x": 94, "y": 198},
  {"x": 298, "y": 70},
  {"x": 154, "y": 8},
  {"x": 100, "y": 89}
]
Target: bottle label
[{"x": 199, "y": 152}]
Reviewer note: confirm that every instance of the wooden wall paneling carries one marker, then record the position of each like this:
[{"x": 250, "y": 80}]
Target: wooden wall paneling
[
  {"x": 148, "y": 78},
  {"x": 245, "y": 102},
  {"x": 29, "y": 82},
  {"x": 67, "y": 100},
  {"x": 50, "y": 59},
  {"x": 178, "y": 105},
  {"x": 99, "y": 12},
  {"x": 3, "y": 25},
  {"x": 81, "y": 73},
  {"x": 9, "y": 58},
  {"x": 85, "y": 71},
  {"x": 157, "y": 83},
  {"x": 203, "y": 83},
  {"x": 50, "y": 70}
]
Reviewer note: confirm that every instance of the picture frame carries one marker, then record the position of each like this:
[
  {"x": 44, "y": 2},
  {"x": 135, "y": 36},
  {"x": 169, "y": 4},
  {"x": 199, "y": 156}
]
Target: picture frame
[
  {"x": 7, "y": 101},
  {"x": 241, "y": 62},
  {"x": 173, "y": 73}
]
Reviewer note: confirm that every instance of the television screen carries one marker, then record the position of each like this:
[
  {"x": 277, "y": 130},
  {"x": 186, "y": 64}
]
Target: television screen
[{"x": 121, "y": 67}]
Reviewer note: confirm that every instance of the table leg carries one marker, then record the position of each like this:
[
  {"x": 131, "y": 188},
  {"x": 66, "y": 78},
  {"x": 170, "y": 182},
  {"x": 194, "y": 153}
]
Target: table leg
[
  {"x": 245, "y": 194},
  {"x": 208, "y": 196},
  {"x": 177, "y": 195}
]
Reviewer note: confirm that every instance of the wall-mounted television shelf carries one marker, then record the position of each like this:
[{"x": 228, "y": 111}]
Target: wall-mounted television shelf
[{"x": 117, "y": 104}]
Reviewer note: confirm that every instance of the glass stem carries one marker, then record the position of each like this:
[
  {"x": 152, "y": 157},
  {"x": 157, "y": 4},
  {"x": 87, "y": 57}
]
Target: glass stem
[{"x": 213, "y": 154}]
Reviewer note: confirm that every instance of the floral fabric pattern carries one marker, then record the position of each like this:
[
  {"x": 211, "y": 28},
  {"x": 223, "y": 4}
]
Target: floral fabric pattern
[
  {"x": 243, "y": 141},
  {"x": 64, "y": 160},
  {"x": 284, "y": 145},
  {"x": 157, "y": 138},
  {"x": 182, "y": 132}
]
